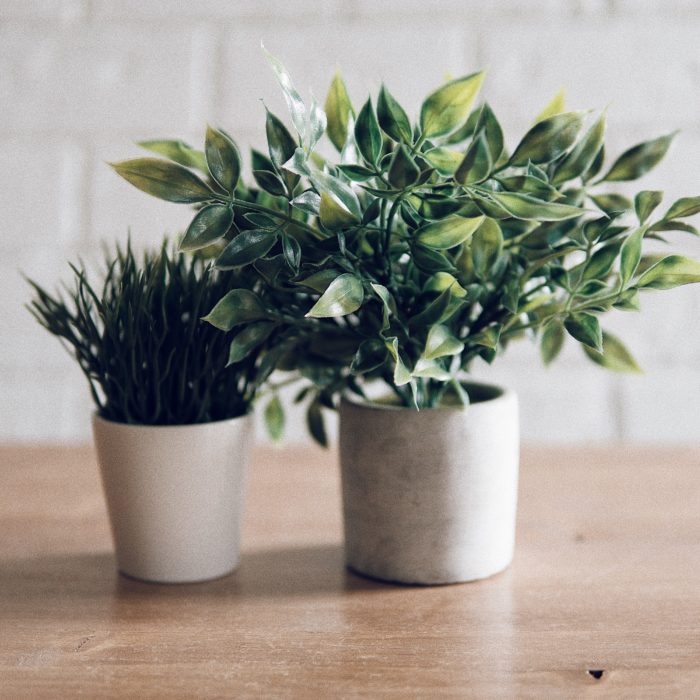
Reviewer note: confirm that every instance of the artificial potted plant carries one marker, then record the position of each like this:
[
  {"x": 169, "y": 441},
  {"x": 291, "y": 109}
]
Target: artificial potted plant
[
  {"x": 172, "y": 424},
  {"x": 427, "y": 246}
]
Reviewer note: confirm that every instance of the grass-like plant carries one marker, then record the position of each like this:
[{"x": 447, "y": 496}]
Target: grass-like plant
[
  {"x": 140, "y": 341},
  {"x": 428, "y": 243}
]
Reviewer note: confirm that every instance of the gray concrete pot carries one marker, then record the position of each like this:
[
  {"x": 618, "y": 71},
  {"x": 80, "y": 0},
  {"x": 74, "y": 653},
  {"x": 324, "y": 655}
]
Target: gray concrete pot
[
  {"x": 175, "y": 496},
  {"x": 430, "y": 496}
]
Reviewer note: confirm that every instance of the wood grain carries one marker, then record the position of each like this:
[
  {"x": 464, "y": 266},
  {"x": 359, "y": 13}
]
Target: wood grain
[{"x": 606, "y": 577}]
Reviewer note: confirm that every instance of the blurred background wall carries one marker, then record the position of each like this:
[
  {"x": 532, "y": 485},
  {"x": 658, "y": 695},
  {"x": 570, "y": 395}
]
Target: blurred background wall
[{"x": 81, "y": 80}]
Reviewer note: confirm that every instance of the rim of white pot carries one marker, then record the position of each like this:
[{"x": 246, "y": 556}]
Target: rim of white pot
[
  {"x": 498, "y": 394},
  {"x": 97, "y": 418}
]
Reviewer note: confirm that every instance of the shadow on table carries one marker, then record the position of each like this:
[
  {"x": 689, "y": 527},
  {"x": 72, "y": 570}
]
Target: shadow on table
[{"x": 292, "y": 571}]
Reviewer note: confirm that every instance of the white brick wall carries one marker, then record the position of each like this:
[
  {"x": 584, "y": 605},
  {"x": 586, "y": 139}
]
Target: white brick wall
[{"x": 80, "y": 80}]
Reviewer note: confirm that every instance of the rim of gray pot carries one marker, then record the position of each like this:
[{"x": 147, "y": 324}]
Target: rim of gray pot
[
  {"x": 492, "y": 394},
  {"x": 97, "y": 418}
]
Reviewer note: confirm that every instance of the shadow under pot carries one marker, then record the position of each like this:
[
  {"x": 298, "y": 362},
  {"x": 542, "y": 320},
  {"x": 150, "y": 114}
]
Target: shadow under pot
[
  {"x": 175, "y": 496},
  {"x": 429, "y": 496}
]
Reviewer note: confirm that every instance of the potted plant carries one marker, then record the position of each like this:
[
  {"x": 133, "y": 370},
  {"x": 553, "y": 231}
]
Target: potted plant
[
  {"x": 172, "y": 424},
  {"x": 427, "y": 246}
]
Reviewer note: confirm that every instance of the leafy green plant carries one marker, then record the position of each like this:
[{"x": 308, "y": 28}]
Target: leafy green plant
[
  {"x": 140, "y": 341},
  {"x": 426, "y": 244}
]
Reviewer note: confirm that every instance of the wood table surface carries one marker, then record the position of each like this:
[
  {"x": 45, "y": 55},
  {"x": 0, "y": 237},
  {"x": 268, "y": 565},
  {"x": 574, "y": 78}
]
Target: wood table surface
[{"x": 602, "y": 599}]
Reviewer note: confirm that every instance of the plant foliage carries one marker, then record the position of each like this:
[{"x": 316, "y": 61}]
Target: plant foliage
[
  {"x": 140, "y": 341},
  {"x": 428, "y": 244}
]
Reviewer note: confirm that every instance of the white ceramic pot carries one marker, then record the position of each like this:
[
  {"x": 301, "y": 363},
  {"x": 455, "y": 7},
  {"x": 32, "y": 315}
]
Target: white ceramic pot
[
  {"x": 175, "y": 496},
  {"x": 430, "y": 496}
]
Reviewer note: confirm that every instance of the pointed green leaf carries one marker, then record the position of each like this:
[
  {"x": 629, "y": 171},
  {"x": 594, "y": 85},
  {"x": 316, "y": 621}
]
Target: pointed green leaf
[
  {"x": 343, "y": 296},
  {"x": 392, "y": 118},
  {"x": 248, "y": 339},
  {"x": 476, "y": 164},
  {"x": 179, "y": 152},
  {"x": 388, "y": 303},
  {"x": 295, "y": 104},
  {"x": 645, "y": 202},
  {"x": 402, "y": 375},
  {"x": 403, "y": 172},
  {"x": 164, "y": 180},
  {"x": 211, "y": 223},
  {"x": 446, "y": 108},
  {"x": 223, "y": 159},
  {"x": 246, "y": 248},
  {"x": 614, "y": 356},
  {"x": 601, "y": 262},
  {"x": 581, "y": 157},
  {"x": 280, "y": 143},
  {"x": 522, "y": 206},
  {"x": 687, "y": 206},
  {"x": 319, "y": 281},
  {"x": 338, "y": 107},
  {"x": 269, "y": 182},
  {"x": 237, "y": 306},
  {"x": 369, "y": 356},
  {"x": 430, "y": 369},
  {"x": 334, "y": 216},
  {"x": 548, "y": 139},
  {"x": 274, "y": 418},
  {"x": 555, "y": 106},
  {"x": 491, "y": 129},
  {"x": 448, "y": 233},
  {"x": 631, "y": 255},
  {"x": 671, "y": 271},
  {"x": 486, "y": 245},
  {"x": 441, "y": 281},
  {"x": 437, "y": 311},
  {"x": 552, "y": 341},
  {"x": 585, "y": 328},
  {"x": 315, "y": 423},
  {"x": 639, "y": 159},
  {"x": 317, "y": 124},
  {"x": 368, "y": 136},
  {"x": 612, "y": 204},
  {"x": 441, "y": 343},
  {"x": 443, "y": 160}
]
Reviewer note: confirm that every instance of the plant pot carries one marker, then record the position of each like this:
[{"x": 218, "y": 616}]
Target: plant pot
[
  {"x": 430, "y": 496},
  {"x": 175, "y": 496}
]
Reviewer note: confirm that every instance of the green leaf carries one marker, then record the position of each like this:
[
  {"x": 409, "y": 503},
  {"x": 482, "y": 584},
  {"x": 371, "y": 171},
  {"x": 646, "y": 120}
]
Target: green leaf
[
  {"x": 164, "y": 180},
  {"x": 441, "y": 281},
  {"x": 486, "y": 245},
  {"x": 552, "y": 341},
  {"x": 446, "y": 108},
  {"x": 430, "y": 260},
  {"x": 631, "y": 255},
  {"x": 369, "y": 356},
  {"x": 317, "y": 124},
  {"x": 601, "y": 262},
  {"x": 586, "y": 329},
  {"x": 448, "y": 233},
  {"x": 223, "y": 159},
  {"x": 582, "y": 155},
  {"x": 368, "y": 136},
  {"x": 555, "y": 106},
  {"x": 295, "y": 104},
  {"x": 246, "y": 248},
  {"x": 274, "y": 418},
  {"x": 315, "y": 423},
  {"x": 392, "y": 118},
  {"x": 280, "y": 143},
  {"x": 210, "y": 223},
  {"x": 269, "y": 182},
  {"x": 236, "y": 307},
  {"x": 430, "y": 369},
  {"x": 441, "y": 343},
  {"x": 438, "y": 310},
  {"x": 319, "y": 281},
  {"x": 639, "y": 159},
  {"x": 402, "y": 375},
  {"x": 614, "y": 356},
  {"x": 548, "y": 139},
  {"x": 522, "y": 206},
  {"x": 334, "y": 216},
  {"x": 308, "y": 201},
  {"x": 488, "y": 125},
  {"x": 612, "y": 203},
  {"x": 248, "y": 339},
  {"x": 443, "y": 160},
  {"x": 628, "y": 300},
  {"x": 388, "y": 303},
  {"x": 687, "y": 206},
  {"x": 343, "y": 296},
  {"x": 338, "y": 107},
  {"x": 669, "y": 272},
  {"x": 675, "y": 226},
  {"x": 487, "y": 338},
  {"x": 291, "y": 251},
  {"x": 403, "y": 172},
  {"x": 645, "y": 202},
  {"x": 476, "y": 164},
  {"x": 179, "y": 152}
]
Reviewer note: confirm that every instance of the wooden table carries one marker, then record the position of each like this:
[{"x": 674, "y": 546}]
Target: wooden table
[{"x": 603, "y": 598}]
